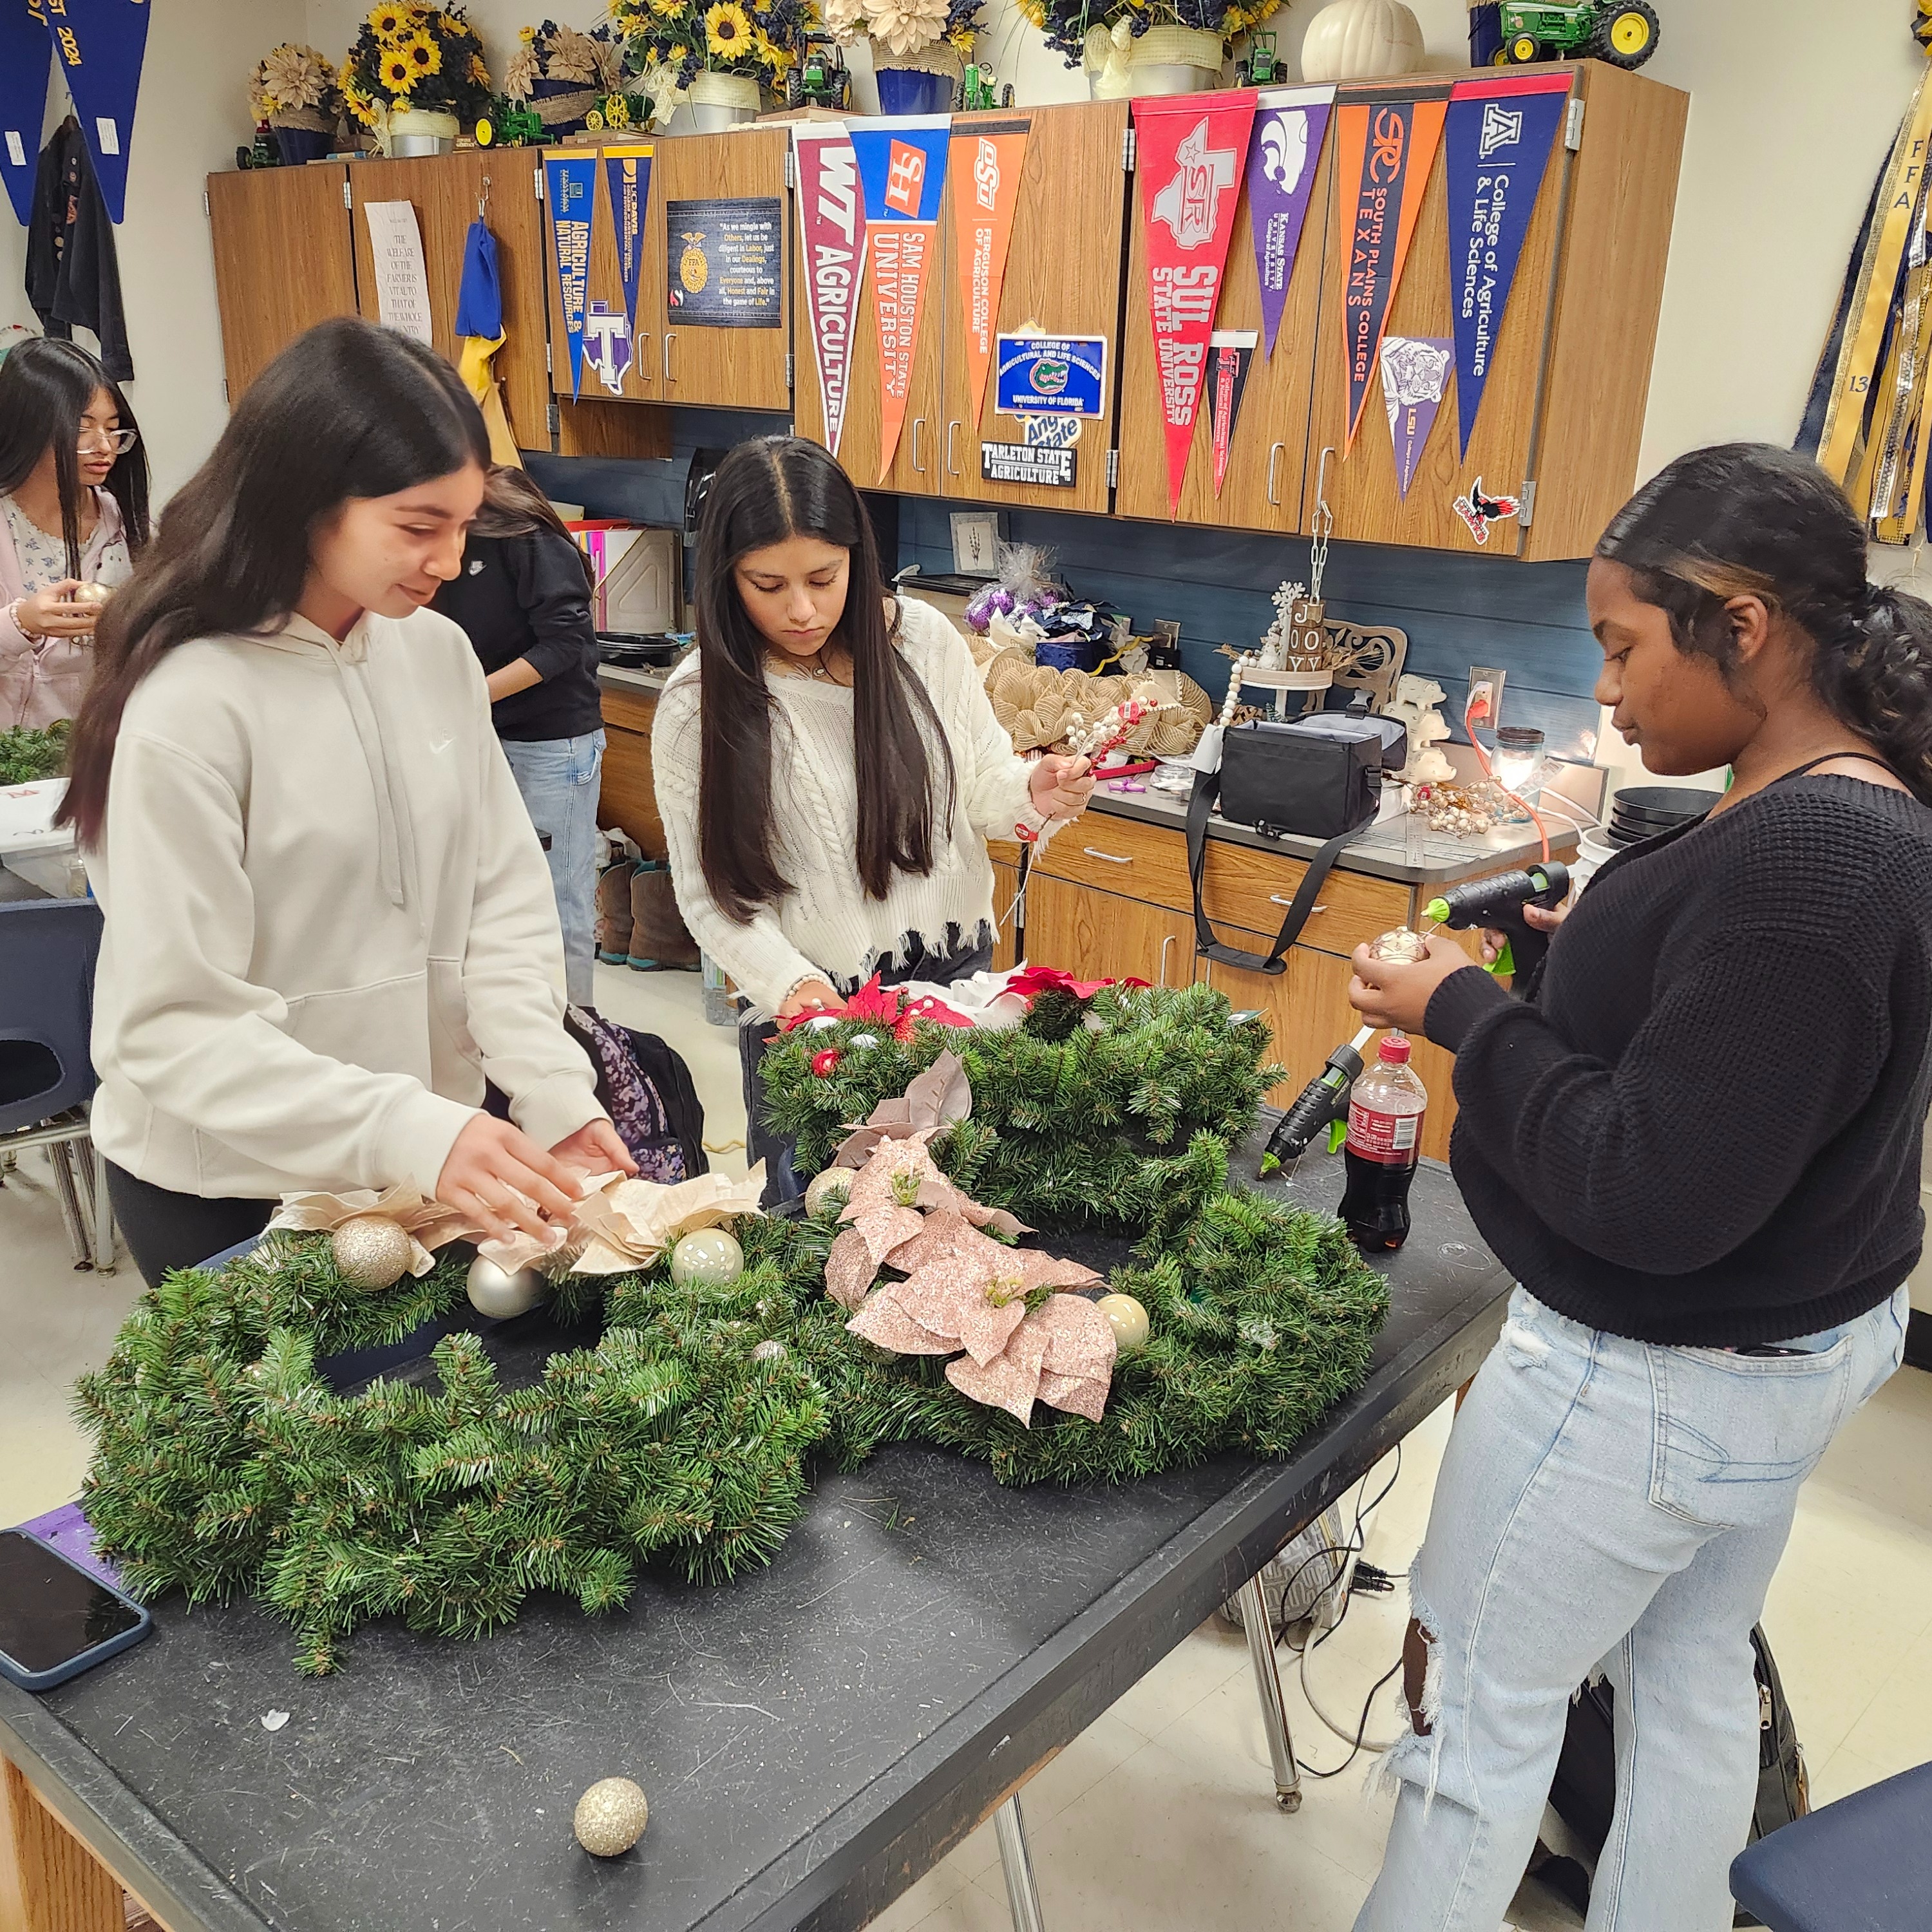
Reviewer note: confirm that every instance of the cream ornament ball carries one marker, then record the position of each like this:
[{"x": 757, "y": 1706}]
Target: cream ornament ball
[
  {"x": 834, "y": 1184},
  {"x": 1362, "y": 40},
  {"x": 372, "y": 1251},
  {"x": 610, "y": 1817},
  {"x": 501, "y": 1292},
  {"x": 1128, "y": 1320},
  {"x": 708, "y": 1258}
]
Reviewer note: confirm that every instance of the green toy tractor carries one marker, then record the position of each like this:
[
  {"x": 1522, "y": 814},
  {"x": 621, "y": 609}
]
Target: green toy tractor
[
  {"x": 1622, "y": 32},
  {"x": 509, "y": 123},
  {"x": 820, "y": 79},
  {"x": 1262, "y": 66}
]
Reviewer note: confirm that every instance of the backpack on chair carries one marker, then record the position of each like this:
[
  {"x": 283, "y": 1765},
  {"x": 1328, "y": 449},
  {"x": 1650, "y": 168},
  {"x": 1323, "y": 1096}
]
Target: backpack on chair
[{"x": 644, "y": 1085}]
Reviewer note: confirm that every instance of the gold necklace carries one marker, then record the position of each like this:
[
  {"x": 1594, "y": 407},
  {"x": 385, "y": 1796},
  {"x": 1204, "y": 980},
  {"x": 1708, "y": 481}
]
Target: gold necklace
[{"x": 816, "y": 669}]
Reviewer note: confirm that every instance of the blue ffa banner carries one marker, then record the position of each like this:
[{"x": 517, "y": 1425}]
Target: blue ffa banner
[
  {"x": 1050, "y": 375},
  {"x": 101, "y": 44},
  {"x": 1497, "y": 140},
  {"x": 628, "y": 171},
  {"x": 25, "y": 64},
  {"x": 570, "y": 187}
]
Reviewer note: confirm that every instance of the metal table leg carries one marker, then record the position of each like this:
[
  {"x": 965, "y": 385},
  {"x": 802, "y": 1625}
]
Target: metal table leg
[
  {"x": 60, "y": 1154},
  {"x": 1267, "y": 1682},
  {"x": 1022, "y": 1898},
  {"x": 103, "y": 1211}
]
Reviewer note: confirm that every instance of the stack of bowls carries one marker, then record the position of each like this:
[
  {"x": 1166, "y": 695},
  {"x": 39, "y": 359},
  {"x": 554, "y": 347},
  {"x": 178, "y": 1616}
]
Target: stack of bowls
[{"x": 1642, "y": 811}]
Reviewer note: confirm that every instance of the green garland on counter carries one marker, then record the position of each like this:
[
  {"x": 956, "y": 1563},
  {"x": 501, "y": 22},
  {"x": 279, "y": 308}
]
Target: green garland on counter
[
  {"x": 28, "y": 753},
  {"x": 225, "y": 1466}
]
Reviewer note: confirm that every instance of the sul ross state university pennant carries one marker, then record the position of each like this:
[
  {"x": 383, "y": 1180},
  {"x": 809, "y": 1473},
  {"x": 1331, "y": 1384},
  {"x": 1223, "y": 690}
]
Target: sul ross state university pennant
[
  {"x": 1190, "y": 150},
  {"x": 832, "y": 244},
  {"x": 987, "y": 157},
  {"x": 902, "y": 166},
  {"x": 1387, "y": 146}
]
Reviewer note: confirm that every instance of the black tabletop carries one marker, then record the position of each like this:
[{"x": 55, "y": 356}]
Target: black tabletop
[{"x": 812, "y": 1738}]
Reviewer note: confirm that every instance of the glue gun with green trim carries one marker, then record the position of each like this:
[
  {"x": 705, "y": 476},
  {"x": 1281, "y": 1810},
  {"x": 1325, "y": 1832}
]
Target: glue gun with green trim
[
  {"x": 1499, "y": 901},
  {"x": 1323, "y": 1105}
]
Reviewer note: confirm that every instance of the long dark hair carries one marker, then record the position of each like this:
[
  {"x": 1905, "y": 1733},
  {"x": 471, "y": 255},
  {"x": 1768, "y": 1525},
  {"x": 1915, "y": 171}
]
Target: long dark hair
[
  {"x": 347, "y": 410},
  {"x": 513, "y": 506},
  {"x": 1748, "y": 519},
  {"x": 45, "y": 388},
  {"x": 766, "y": 490}
]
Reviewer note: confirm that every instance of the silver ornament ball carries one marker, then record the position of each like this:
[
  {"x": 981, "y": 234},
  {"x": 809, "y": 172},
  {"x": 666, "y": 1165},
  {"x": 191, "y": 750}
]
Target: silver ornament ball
[
  {"x": 372, "y": 1251},
  {"x": 769, "y": 1350},
  {"x": 821, "y": 1023},
  {"x": 610, "y": 1817},
  {"x": 501, "y": 1292},
  {"x": 862, "y": 1042},
  {"x": 708, "y": 1258}
]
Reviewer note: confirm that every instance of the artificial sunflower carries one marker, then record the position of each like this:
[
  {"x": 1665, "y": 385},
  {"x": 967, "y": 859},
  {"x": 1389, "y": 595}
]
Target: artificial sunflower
[
  {"x": 389, "y": 22},
  {"x": 527, "y": 35},
  {"x": 424, "y": 56},
  {"x": 664, "y": 9},
  {"x": 676, "y": 56},
  {"x": 479, "y": 74},
  {"x": 360, "y": 105},
  {"x": 727, "y": 30},
  {"x": 398, "y": 76}
]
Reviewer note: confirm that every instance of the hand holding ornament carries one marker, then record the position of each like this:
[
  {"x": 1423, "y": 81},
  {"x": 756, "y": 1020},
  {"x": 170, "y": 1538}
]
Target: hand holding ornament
[
  {"x": 1060, "y": 786},
  {"x": 506, "y": 1183}
]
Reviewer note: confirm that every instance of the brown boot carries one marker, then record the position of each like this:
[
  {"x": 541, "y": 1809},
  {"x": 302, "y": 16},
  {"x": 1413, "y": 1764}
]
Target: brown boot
[
  {"x": 614, "y": 912},
  {"x": 660, "y": 940}
]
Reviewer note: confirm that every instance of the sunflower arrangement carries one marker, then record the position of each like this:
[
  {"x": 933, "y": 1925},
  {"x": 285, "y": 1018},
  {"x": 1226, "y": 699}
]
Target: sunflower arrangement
[
  {"x": 408, "y": 55},
  {"x": 673, "y": 41},
  {"x": 1066, "y": 24},
  {"x": 291, "y": 79},
  {"x": 905, "y": 28}
]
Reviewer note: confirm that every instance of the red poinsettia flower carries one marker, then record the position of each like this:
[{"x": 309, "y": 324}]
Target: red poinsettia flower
[
  {"x": 887, "y": 1007},
  {"x": 1038, "y": 979}
]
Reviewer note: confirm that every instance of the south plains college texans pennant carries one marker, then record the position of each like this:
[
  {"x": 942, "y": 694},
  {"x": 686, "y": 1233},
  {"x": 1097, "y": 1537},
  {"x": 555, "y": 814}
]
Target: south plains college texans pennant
[
  {"x": 1284, "y": 153},
  {"x": 1497, "y": 145},
  {"x": 1387, "y": 146},
  {"x": 902, "y": 166},
  {"x": 987, "y": 159},
  {"x": 1189, "y": 152},
  {"x": 831, "y": 243}
]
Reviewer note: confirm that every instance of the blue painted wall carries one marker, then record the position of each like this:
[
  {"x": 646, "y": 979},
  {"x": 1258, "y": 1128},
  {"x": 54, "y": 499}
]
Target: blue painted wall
[{"x": 1458, "y": 610}]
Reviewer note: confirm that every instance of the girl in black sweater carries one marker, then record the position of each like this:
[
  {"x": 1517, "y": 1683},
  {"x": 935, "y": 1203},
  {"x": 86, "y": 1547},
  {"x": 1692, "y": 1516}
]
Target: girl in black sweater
[{"x": 1697, "y": 1147}]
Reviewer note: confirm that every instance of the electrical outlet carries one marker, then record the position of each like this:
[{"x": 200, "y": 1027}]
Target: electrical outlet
[{"x": 1485, "y": 702}]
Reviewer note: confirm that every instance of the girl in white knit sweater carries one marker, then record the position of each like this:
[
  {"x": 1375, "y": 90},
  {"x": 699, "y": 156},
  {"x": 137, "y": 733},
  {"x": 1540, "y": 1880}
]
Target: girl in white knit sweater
[{"x": 828, "y": 766}]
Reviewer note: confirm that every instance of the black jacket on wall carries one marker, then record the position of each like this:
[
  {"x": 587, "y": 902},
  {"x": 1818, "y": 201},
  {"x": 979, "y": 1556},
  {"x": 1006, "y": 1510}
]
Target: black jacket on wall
[{"x": 74, "y": 275}]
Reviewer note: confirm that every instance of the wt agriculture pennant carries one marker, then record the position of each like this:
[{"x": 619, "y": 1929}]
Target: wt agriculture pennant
[
  {"x": 1388, "y": 145},
  {"x": 986, "y": 161},
  {"x": 25, "y": 63},
  {"x": 101, "y": 44},
  {"x": 832, "y": 242},
  {"x": 1497, "y": 145},
  {"x": 1234, "y": 351},
  {"x": 902, "y": 164},
  {"x": 1283, "y": 153},
  {"x": 628, "y": 173},
  {"x": 570, "y": 184},
  {"x": 1189, "y": 160},
  {"x": 1415, "y": 377}
]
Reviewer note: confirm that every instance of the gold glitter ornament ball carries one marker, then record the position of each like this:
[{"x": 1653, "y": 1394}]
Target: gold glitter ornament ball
[
  {"x": 610, "y": 1817},
  {"x": 371, "y": 1250},
  {"x": 1128, "y": 1318},
  {"x": 1400, "y": 947},
  {"x": 834, "y": 1184}
]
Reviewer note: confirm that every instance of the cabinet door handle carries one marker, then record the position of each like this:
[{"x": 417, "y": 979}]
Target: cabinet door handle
[
  {"x": 1275, "y": 898},
  {"x": 1274, "y": 456},
  {"x": 1164, "y": 945},
  {"x": 1111, "y": 858},
  {"x": 643, "y": 363},
  {"x": 671, "y": 336},
  {"x": 918, "y": 424},
  {"x": 951, "y": 430}
]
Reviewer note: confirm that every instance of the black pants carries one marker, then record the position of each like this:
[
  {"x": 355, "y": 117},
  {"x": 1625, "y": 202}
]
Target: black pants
[
  {"x": 165, "y": 1231},
  {"x": 763, "y": 1141}
]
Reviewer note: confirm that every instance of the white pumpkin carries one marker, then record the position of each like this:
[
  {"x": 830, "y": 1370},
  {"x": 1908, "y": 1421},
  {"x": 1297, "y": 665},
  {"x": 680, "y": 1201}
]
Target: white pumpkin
[{"x": 1362, "y": 40}]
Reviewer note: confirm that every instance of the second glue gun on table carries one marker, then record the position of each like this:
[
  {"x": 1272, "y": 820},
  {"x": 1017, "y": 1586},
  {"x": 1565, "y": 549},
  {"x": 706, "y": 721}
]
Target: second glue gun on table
[{"x": 1498, "y": 901}]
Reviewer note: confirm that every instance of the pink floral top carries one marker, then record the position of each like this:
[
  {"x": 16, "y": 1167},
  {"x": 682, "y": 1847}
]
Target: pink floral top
[{"x": 41, "y": 679}]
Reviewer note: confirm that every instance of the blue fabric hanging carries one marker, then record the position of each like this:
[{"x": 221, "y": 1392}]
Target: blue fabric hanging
[{"x": 479, "y": 300}]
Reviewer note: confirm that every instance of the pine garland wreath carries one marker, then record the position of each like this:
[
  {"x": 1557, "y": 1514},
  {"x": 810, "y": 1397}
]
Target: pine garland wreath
[{"x": 226, "y": 1465}]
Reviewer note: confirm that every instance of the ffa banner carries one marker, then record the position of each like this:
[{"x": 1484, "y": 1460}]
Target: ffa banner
[
  {"x": 986, "y": 165},
  {"x": 902, "y": 165},
  {"x": 101, "y": 44},
  {"x": 1388, "y": 144},
  {"x": 25, "y": 63},
  {"x": 570, "y": 186},
  {"x": 1188, "y": 159},
  {"x": 831, "y": 247},
  {"x": 1497, "y": 144},
  {"x": 1415, "y": 378},
  {"x": 1233, "y": 351},
  {"x": 1290, "y": 124},
  {"x": 628, "y": 173}
]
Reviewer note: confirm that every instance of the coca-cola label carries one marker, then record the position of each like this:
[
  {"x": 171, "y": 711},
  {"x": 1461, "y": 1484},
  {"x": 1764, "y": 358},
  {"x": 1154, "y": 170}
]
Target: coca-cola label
[{"x": 1391, "y": 1138}]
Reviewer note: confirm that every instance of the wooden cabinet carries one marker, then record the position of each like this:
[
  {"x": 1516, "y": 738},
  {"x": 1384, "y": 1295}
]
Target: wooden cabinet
[
  {"x": 284, "y": 260},
  {"x": 1005, "y": 884},
  {"x": 1102, "y": 936},
  {"x": 629, "y": 799}
]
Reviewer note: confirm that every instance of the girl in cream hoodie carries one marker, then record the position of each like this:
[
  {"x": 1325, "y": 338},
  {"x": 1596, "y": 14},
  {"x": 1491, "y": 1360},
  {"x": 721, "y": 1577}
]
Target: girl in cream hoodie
[{"x": 329, "y": 920}]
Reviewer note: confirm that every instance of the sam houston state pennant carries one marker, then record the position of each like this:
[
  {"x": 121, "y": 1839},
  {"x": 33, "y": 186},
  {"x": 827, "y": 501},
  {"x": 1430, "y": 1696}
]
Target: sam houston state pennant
[
  {"x": 831, "y": 243},
  {"x": 1388, "y": 141},
  {"x": 985, "y": 164},
  {"x": 1189, "y": 152}
]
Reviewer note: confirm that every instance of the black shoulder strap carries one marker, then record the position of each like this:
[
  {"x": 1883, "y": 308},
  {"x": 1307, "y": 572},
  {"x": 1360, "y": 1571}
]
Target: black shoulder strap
[
  {"x": 1207, "y": 790},
  {"x": 1831, "y": 758}
]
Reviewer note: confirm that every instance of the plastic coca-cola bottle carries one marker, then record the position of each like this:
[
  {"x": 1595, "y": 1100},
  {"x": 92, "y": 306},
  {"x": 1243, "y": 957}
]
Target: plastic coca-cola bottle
[{"x": 1384, "y": 1142}]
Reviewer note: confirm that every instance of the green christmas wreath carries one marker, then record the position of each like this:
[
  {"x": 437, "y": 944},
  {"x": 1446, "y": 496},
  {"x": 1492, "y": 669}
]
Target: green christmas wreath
[{"x": 227, "y": 1465}]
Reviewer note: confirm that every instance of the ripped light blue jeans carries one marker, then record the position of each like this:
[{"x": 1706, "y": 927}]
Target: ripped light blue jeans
[{"x": 1606, "y": 1504}]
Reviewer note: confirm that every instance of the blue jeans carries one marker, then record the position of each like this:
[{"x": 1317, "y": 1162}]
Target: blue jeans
[
  {"x": 1606, "y": 1504},
  {"x": 558, "y": 779}
]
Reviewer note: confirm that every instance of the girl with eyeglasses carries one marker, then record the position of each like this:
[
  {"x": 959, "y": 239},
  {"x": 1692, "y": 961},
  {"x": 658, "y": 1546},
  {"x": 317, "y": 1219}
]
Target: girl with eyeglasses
[{"x": 73, "y": 514}]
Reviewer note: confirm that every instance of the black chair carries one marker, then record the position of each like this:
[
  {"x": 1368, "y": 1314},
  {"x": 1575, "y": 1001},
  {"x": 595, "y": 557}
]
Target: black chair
[{"x": 1864, "y": 1865}]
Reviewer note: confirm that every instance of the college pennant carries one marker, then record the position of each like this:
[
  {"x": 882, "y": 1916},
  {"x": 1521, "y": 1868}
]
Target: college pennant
[
  {"x": 1496, "y": 144},
  {"x": 1415, "y": 378},
  {"x": 1232, "y": 351},
  {"x": 1388, "y": 143},
  {"x": 986, "y": 162},
  {"x": 1283, "y": 154},
  {"x": 902, "y": 166},
  {"x": 101, "y": 44},
  {"x": 627, "y": 171},
  {"x": 570, "y": 192},
  {"x": 832, "y": 245},
  {"x": 1189, "y": 151},
  {"x": 26, "y": 62}
]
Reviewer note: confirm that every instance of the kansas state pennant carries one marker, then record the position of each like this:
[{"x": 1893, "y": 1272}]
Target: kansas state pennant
[
  {"x": 1388, "y": 144},
  {"x": 1498, "y": 144},
  {"x": 101, "y": 44},
  {"x": 628, "y": 173},
  {"x": 1283, "y": 154},
  {"x": 570, "y": 183},
  {"x": 25, "y": 60}
]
